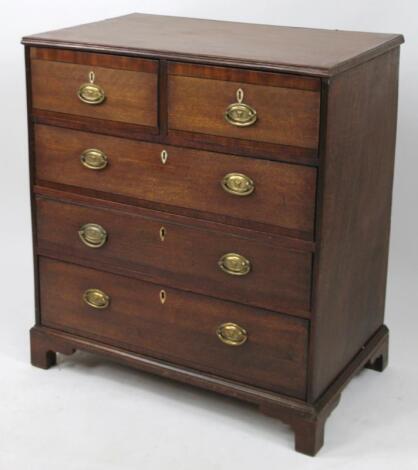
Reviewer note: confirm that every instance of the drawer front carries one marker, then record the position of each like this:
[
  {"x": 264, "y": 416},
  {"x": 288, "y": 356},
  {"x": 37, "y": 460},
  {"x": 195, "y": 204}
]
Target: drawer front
[
  {"x": 226, "y": 186},
  {"x": 206, "y": 100},
  {"x": 267, "y": 350},
  {"x": 181, "y": 255},
  {"x": 128, "y": 85}
]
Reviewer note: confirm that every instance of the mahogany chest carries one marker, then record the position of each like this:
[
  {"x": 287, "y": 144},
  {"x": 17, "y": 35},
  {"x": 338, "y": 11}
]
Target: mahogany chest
[{"x": 211, "y": 203}]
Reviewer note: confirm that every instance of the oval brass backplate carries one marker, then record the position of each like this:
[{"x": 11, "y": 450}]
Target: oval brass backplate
[
  {"x": 93, "y": 235},
  {"x": 240, "y": 114},
  {"x": 90, "y": 93},
  {"x": 94, "y": 159},
  {"x": 238, "y": 184},
  {"x": 234, "y": 264},
  {"x": 96, "y": 298},
  {"x": 232, "y": 334}
]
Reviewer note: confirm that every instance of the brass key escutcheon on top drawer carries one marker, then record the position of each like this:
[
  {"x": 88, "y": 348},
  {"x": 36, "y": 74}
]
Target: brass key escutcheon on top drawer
[
  {"x": 240, "y": 114},
  {"x": 238, "y": 184},
  {"x": 93, "y": 235},
  {"x": 96, "y": 298},
  {"x": 232, "y": 334},
  {"x": 234, "y": 264},
  {"x": 94, "y": 159},
  {"x": 91, "y": 93}
]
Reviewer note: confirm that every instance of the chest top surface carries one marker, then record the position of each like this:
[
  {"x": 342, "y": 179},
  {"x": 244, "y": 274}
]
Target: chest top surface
[{"x": 316, "y": 52}]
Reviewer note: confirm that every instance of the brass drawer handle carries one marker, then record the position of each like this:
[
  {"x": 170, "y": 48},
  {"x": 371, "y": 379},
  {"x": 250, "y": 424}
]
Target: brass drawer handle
[
  {"x": 232, "y": 334},
  {"x": 93, "y": 235},
  {"x": 234, "y": 264},
  {"x": 91, "y": 93},
  {"x": 238, "y": 184},
  {"x": 94, "y": 159},
  {"x": 96, "y": 298},
  {"x": 240, "y": 114}
]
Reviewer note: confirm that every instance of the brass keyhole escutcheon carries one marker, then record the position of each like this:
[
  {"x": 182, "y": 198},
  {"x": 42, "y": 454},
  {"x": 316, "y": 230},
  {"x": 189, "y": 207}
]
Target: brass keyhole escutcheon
[
  {"x": 163, "y": 296},
  {"x": 91, "y": 93},
  {"x": 93, "y": 235},
  {"x": 232, "y": 334},
  {"x": 163, "y": 233},
  {"x": 96, "y": 298},
  {"x": 240, "y": 114},
  {"x": 234, "y": 264},
  {"x": 164, "y": 156}
]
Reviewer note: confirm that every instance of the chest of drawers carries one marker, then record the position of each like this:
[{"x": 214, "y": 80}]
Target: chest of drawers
[{"x": 211, "y": 203}]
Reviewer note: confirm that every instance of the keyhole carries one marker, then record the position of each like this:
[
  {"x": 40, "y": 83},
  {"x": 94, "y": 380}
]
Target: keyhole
[
  {"x": 164, "y": 157},
  {"x": 92, "y": 77},
  {"x": 163, "y": 296},
  {"x": 240, "y": 95},
  {"x": 162, "y": 233}
]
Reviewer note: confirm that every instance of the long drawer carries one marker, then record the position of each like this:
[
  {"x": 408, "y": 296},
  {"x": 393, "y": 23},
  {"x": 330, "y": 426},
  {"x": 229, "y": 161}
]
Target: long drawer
[
  {"x": 239, "y": 188},
  {"x": 231, "y": 340},
  {"x": 209, "y": 262}
]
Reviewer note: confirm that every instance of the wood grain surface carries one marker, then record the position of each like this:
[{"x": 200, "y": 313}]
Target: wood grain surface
[
  {"x": 287, "y": 116},
  {"x": 284, "y": 194},
  {"x": 131, "y": 96},
  {"x": 354, "y": 218},
  {"x": 183, "y": 329},
  {"x": 317, "y": 52},
  {"x": 187, "y": 258}
]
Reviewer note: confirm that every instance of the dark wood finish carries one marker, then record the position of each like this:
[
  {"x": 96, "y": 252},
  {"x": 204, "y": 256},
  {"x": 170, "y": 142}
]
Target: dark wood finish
[
  {"x": 309, "y": 430},
  {"x": 197, "y": 104},
  {"x": 333, "y": 277},
  {"x": 354, "y": 217},
  {"x": 307, "y": 420},
  {"x": 255, "y": 77},
  {"x": 94, "y": 60},
  {"x": 31, "y": 161},
  {"x": 182, "y": 330},
  {"x": 97, "y": 199},
  {"x": 284, "y": 194},
  {"x": 131, "y": 96},
  {"x": 43, "y": 353},
  {"x": 250, "y": 148},
  {"x": 186, "y": 259},
  {"x": 317, "y": 52},
  {"x": 260, "y": 150}
]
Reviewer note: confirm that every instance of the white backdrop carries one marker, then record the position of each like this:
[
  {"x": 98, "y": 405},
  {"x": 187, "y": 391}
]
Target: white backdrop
[{"x": 96, "y": 415}]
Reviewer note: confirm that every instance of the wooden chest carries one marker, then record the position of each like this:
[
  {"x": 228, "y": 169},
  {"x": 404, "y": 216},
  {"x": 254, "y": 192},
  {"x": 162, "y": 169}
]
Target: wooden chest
[{"x": 211, "y": 203}]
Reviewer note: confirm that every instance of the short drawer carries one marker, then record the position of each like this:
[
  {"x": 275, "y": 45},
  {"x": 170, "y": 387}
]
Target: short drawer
[
  {"x": 210, "y": 262},
  {"x": 237, "y": 342},
  {"x": 100, "y": 86},
  {"x": 242, "y": 104},
  {"x": 226, "y": 187}
]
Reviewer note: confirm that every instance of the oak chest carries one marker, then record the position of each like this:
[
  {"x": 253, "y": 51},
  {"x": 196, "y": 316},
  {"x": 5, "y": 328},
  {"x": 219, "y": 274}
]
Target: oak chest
[{"x": 211, "y": 203}]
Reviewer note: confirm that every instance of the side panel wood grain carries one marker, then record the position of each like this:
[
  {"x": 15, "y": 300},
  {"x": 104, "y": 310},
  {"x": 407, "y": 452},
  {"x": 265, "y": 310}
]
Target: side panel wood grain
[
  {"x": 186, "y": 259},
  {"x": 356, "y": 176},
  {"x": 182, "y": 330},
  {"x": 284, "y": 194}
]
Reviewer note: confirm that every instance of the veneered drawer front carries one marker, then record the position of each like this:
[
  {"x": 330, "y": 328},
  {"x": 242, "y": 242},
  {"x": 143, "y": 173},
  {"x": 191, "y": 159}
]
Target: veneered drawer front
[
  {"x": 183, "y": 329},
  {"x": 283, "y": 194},
  {"x": 129, "y": 85},
  {"x": 287, "y": 107},
  {"x": 183, "y": 256}
]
